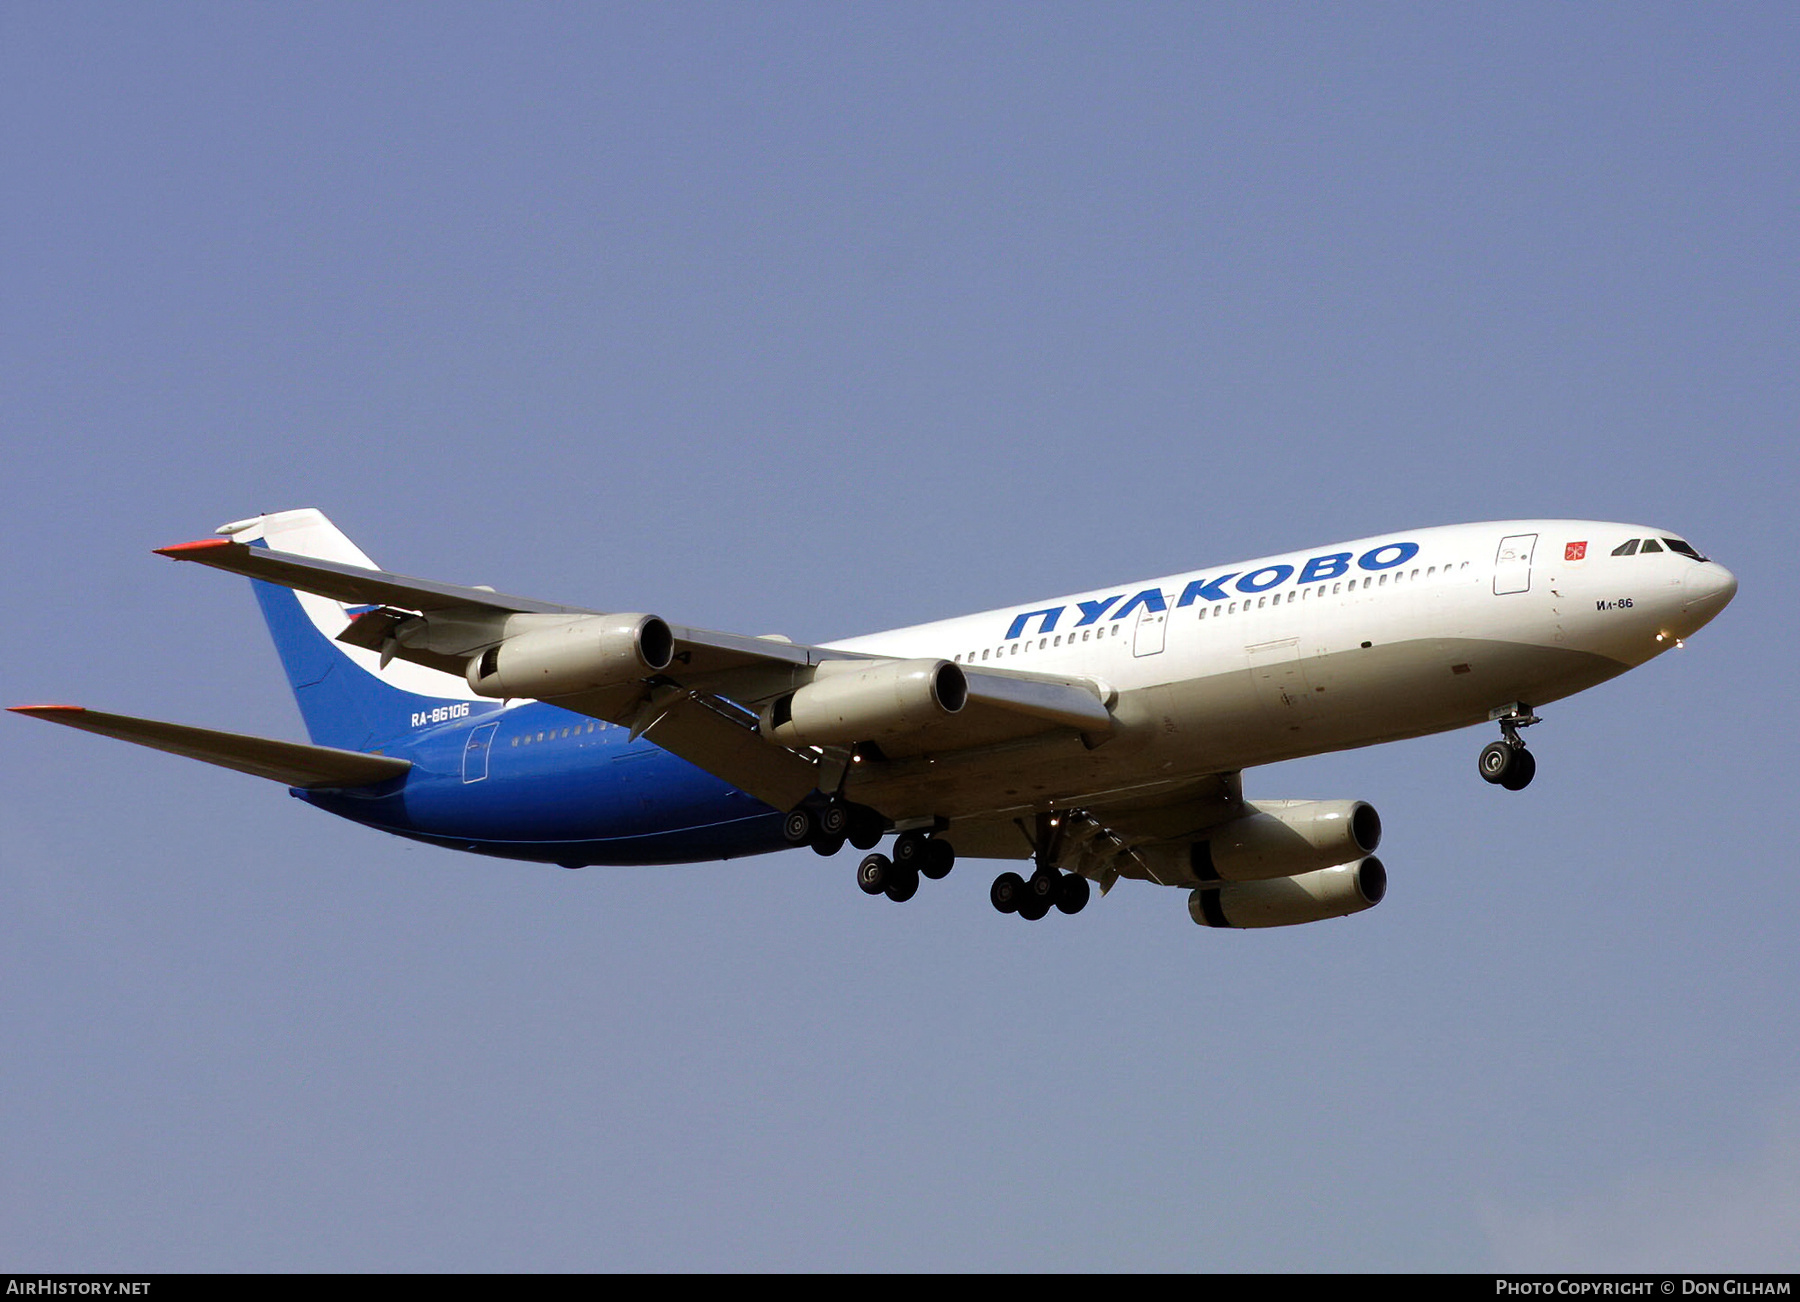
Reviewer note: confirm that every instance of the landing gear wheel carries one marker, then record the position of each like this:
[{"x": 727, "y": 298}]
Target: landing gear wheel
[
  {"x": 834, "y": 819},
  {"x": 1496, "y": 761},
  {"x": 1007, "y": 891},
  {"x": 866, "y": 829},
  {"x": 1045, "y": 884},
  {"x": 1072, "y": 894},
  {"x": 827, "y": 845},
  {"x": 1032, "y": 907},
  {"x": 940, "y": 858},
  {"x": 903, "y": 883},
  {"x": 873, "y": 874},
  {"x": 1524, "y": 769},
  {"x": 909, "y": 847},
  {"x": 798, "y": 827}
]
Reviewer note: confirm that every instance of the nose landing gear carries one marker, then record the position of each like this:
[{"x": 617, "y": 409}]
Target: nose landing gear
[{"x": 1507, "y": 763}]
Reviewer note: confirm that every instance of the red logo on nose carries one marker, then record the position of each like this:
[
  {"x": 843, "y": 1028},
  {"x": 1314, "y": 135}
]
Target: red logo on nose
[{"x": 1575, "y": 551}]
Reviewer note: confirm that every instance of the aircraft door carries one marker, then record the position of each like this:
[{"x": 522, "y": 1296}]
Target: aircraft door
[
  {"x": 1512, "y": 563},
  {"x": 1281, "y": 683},
  {"x": 1152, "y": 630},
  {"x": 475, "y": 753}
]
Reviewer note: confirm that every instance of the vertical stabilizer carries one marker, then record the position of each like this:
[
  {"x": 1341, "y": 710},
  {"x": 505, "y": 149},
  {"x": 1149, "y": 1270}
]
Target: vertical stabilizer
[{"x": 347, "y": 698}]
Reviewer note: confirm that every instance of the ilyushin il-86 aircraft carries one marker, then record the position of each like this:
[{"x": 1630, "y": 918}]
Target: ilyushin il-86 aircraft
[{"x": 1099, "y": 736}]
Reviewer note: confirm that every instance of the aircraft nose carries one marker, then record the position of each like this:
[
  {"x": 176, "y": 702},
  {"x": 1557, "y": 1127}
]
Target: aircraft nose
[{"x": 1707, "y": 589}]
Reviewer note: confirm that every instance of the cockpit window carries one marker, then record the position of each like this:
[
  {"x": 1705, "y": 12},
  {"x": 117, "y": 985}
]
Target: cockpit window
[
  {"x": 1651, "y": 545},
  {"x": 1626, "y": 548},
  {"x": 1676, "y": 545}
]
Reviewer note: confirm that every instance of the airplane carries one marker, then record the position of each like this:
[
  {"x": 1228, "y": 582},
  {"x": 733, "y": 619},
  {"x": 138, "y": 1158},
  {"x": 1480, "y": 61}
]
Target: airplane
[{"x": 1100, "y": 736}]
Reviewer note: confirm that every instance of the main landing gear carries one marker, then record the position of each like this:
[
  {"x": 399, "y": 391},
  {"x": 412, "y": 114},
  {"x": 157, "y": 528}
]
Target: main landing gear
[
  {"x": 1047, "y": 887},
  {"x": 1032, "y": 898},
  {"x": 1507, "y": 763},
  {"x": 916, "y": 855},
  {"x": 827, "y": 827}
]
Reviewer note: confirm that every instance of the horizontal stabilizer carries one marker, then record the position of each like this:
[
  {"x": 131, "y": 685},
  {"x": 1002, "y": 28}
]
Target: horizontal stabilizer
[{"x": 289, "y": 762}]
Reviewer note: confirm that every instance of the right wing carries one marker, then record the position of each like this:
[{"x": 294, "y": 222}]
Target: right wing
[{"x": 706, "y": 696}]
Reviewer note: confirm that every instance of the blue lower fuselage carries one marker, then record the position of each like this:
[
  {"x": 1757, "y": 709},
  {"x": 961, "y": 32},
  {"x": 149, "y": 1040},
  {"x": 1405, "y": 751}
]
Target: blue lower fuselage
[{"x": 541, "y": 783}]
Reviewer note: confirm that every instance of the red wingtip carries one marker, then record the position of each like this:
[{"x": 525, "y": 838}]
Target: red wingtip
[{"x": 181, "y": 551}]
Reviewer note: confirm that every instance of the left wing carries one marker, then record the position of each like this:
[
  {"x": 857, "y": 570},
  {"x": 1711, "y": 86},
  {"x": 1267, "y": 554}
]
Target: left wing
[{"x": 289, "y": 762}]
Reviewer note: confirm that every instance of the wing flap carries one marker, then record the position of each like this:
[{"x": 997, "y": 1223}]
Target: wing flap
[{"x": 292, "y": 763}]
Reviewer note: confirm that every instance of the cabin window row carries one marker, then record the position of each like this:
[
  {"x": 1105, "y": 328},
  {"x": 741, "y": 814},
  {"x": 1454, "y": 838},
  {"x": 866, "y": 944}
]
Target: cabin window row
[
  {"x": 1340, "y": 588},
  {"x": 553, "y": 734}
]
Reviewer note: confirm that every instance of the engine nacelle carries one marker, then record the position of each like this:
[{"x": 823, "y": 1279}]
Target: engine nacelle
[
  {"x": 1288, "y": 901},
  {"x": 1286, "y": 837},
  {"x": 1278, "y": 838},
  {"x": 583, "y": 655},
  {"x": 853, "y": 701}
]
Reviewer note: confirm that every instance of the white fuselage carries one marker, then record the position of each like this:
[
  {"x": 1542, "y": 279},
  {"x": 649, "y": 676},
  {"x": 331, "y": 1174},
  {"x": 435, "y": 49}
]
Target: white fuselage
[{"x": 1333, "y": 647}]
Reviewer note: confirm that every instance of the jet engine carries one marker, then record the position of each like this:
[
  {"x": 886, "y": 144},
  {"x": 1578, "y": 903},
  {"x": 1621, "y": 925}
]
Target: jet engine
[
  {"x": 852, "y": 701},
  {"x": 1287, "y": 901},
  {"x": 584, "y": 655},
  {"x": 1278, "y": 838}
]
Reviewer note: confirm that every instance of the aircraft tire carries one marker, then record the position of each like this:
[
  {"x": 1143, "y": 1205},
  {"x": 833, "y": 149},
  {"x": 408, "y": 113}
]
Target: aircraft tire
[
  {"x": 1032, "y": 907},
  {"x": 834, "y": 819},
  {"x": 873, "y": 872},
  {"x": 798, "y": 827},
  {"x": 909, "y": 847},
  {"x": 1008, "y": 889},
  {"x": 827, "y": 845},
  {"x": 903, "y": 883},
  {"x": 1496, "y": 761},
  {"x": 866, "y": 829},
  {"x": 1524, "y": 769},
  {"x": 1072, "y": 895},
  {"x": 940, "y": 858}
]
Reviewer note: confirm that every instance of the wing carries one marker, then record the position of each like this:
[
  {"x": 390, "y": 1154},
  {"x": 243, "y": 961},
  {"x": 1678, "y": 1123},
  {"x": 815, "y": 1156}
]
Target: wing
[
  {"x": 289, "y": 762},
  {"x": 776, "y": 719}
]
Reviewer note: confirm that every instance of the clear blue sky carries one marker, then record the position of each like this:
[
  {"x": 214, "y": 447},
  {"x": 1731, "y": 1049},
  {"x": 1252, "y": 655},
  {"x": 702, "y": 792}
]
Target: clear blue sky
[{"x": 818, "y": 319}]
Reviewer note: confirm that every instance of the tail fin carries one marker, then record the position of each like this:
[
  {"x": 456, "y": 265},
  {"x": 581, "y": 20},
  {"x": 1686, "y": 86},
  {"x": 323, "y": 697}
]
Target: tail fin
[{"x": 347, "y": 698}]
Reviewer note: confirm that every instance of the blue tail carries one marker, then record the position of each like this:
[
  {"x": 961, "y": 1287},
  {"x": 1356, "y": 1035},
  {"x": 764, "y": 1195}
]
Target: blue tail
[{"x": 346, "y": 696}]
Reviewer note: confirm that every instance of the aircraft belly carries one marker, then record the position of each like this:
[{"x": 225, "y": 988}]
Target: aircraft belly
[{"x": 1280, "y": 707}]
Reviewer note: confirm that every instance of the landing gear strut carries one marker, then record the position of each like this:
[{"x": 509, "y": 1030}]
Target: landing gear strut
[{"x": 1507, "y": 763}]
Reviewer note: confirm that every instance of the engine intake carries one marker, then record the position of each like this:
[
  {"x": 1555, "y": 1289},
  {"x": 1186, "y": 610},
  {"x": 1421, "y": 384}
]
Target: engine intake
[
  {"x": 853, "y": 701},
  {"x": 584, "y": 655}
]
